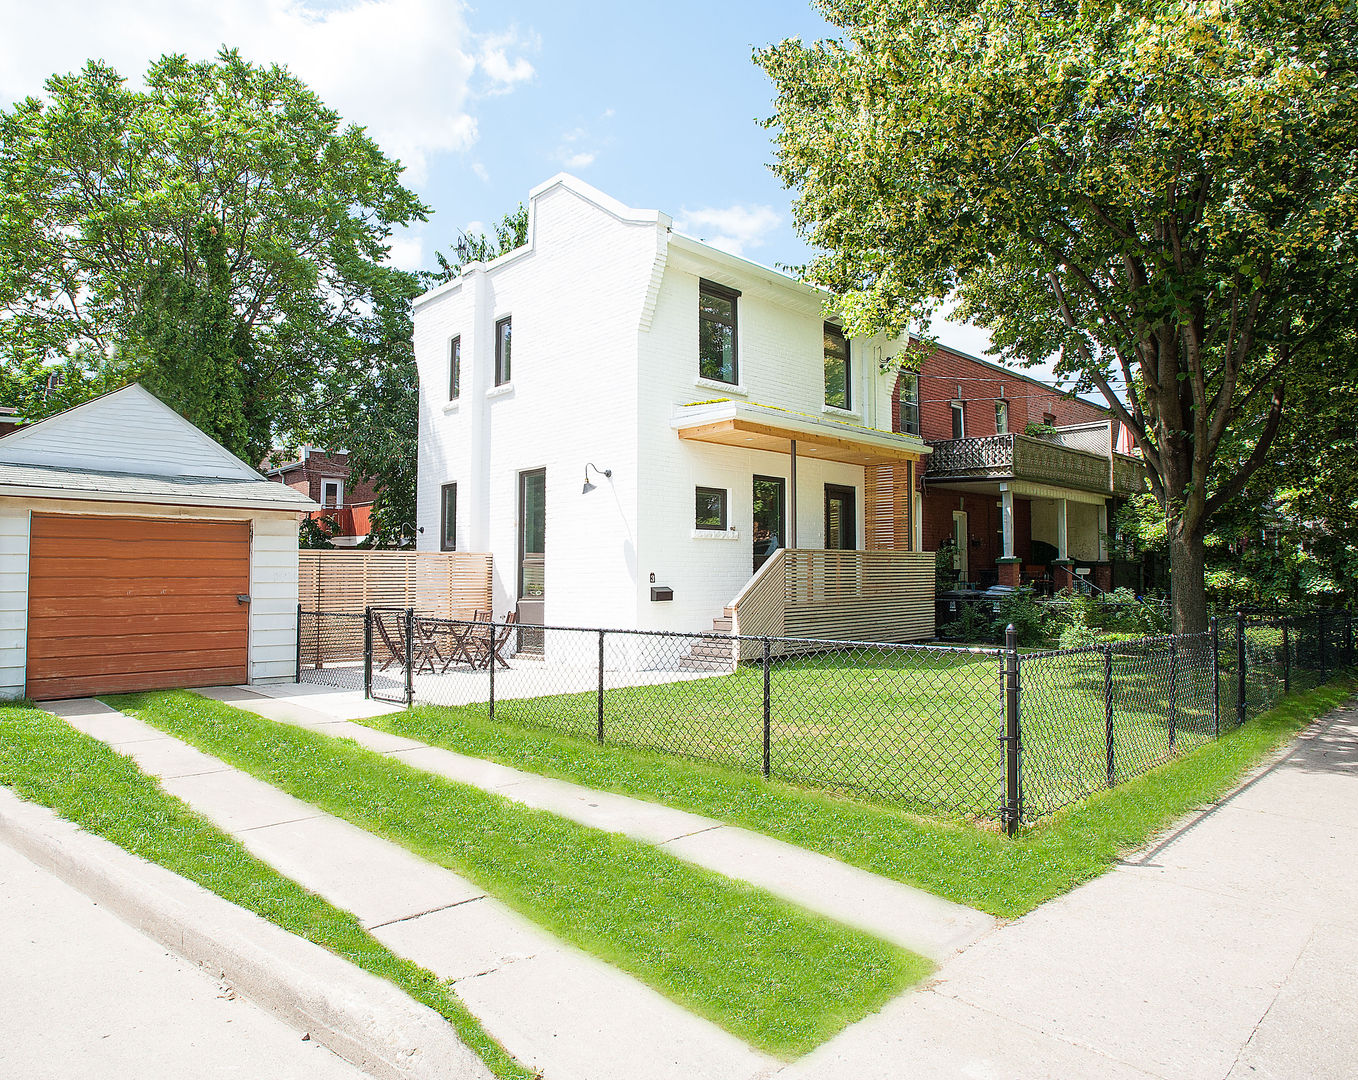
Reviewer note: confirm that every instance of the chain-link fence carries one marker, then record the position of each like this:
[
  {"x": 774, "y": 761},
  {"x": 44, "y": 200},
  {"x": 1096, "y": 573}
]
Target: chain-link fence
[{"x": 985, "y": 733}]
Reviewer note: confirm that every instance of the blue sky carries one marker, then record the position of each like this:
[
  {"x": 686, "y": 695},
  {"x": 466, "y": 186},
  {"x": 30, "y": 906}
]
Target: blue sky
[{"x": 657, "y": 104}]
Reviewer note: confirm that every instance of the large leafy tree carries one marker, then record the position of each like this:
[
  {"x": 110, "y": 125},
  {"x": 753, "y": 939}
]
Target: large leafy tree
[
  {"x": 1163, "y": 194},
  {"x": 219, "y": 233}
]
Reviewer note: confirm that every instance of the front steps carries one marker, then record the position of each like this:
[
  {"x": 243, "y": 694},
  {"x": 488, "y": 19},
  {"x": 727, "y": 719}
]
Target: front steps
[{"x": 712, "y": 654}]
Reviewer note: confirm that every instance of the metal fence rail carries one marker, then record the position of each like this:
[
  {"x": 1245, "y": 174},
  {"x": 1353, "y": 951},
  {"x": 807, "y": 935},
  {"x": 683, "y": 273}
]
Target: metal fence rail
[{"x": 984, "y": 733}]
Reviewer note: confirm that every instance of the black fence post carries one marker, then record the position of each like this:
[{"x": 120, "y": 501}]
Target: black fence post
[
  {"x": 1287, "y": 660},
  {"x": 1173, "y": 691},
  {"x": 1320, "y": 643},
  {"x": 767, "y": 710},
  {"x": 599, "y": 732},
  {"x": 298, "y": 677},
  {"x": 1216, "y": 677},
  {"x": 1240, "y": 703},
  {"x": 1012, "y": 810},
  {"x": 410, "y": 656},
  {"x": 367, "y": 652},
  {"x": 1108, "y": 710}
]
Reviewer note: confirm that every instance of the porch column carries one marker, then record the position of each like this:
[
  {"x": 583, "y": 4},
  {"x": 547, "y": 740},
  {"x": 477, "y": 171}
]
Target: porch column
[
  {"x": 1063, "y": 570},
  {"x": 792, "y": 493},
  {"x": 1007, "y": 565},
  {"x": 1103, "y": 532}
]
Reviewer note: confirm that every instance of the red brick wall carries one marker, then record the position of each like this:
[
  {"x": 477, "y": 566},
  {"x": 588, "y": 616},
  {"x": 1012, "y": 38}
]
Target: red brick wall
[
  {"x": 983, "y": 525},
  {"x": 944, "y": 371},
  {"x": 308, "y": 476}
]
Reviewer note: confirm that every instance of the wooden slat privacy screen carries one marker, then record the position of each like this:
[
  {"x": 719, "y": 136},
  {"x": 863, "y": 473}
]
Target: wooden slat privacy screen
[
  {"x": 887, "y": 492},
  {"x": 844, "y": 595},
  {"x": 455, "y": 583}
]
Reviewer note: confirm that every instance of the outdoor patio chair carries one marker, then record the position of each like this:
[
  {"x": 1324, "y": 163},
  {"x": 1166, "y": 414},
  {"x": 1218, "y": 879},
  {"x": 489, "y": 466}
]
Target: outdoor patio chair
[
  {"x": 393, "y": 637},
  {"x": 461, "y": 637},
  {"x": 488, "y": 642}
]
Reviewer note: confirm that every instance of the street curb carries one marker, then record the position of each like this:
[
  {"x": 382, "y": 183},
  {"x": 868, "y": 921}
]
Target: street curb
[{"x": 360, "y": 1017}]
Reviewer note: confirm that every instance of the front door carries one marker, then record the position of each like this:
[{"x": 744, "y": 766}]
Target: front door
[
  {"x": 770, "y": 517},
  {"x": 959, "y": 542},
  {"x": 532, "y": 555},
  {"x": 841, "y": 523}
]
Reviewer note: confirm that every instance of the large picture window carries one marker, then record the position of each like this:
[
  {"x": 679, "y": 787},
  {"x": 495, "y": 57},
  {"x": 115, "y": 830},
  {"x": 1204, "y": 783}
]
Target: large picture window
[
  {"x": 454, "y": 368},
  {"x": 448, "y": 519},
  {"x": 717, "y": 333},
  {"x": 502, "y": 341},
  {"x": 838, "y": 393},
  {"x": 710, "y": 509}
]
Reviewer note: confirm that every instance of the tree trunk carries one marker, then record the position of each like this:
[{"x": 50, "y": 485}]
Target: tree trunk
[{"x": 1187, "y": 580}]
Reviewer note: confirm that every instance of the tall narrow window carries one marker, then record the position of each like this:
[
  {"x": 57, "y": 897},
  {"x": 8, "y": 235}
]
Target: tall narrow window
[
  {"x": 838, "y": 392},
  {"x": 909, "y": 395},
  {"x": 448, "y": 519},
  {"x": 717, "y": 333},
  {"x": 454, "y": 368},
  {"x": 1001, "y": 417},
  {"x": 502, "y": 338},
  {"x": 959, "y": 420}
]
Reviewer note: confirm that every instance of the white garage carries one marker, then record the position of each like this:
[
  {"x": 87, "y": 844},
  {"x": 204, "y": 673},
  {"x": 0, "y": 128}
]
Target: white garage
[{"x": 137, "y": 554}]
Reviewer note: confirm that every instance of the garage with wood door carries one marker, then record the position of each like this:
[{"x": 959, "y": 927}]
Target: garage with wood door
[{"x": 138, "y": 554}]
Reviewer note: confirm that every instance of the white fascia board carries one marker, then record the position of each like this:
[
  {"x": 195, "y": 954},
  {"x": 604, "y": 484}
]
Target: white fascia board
[
  {"x": 714, "y": 412},
  {"x": 19, "y": 491}
]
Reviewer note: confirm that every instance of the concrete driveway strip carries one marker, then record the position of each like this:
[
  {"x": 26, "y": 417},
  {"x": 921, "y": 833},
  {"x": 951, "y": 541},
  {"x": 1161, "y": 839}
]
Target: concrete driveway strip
[
  {"x": 898, "y": 913},
  {"x": 141, "y": 1010},
  {"x": 552, "y": 1006}
]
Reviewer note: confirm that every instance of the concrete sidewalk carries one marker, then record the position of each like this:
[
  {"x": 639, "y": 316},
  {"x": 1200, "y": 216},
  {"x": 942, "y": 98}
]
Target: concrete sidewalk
[
  {"x": 552, "y": 1006},
  {"x": 895, "y": 912},
  {"x": 1228, "y": 949},
  {"x": 141, "y": 1011}
]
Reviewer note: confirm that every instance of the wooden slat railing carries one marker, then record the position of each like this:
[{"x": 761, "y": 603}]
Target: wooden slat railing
[
  {"x": 847, "y": 595},
  {"x": 455, "y": 583}
]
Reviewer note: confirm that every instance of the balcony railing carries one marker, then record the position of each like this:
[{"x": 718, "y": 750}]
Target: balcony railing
[{"x": 1025, "y": 457}]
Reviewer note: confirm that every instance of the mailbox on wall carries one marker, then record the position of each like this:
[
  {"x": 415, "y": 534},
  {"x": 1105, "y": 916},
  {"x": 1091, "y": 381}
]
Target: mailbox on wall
[{"x": 661, "y": 592}]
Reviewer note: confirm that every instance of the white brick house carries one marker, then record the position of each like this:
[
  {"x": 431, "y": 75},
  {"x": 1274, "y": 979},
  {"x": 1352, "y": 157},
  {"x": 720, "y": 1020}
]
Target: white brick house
[{"x": 583, "y": 347}]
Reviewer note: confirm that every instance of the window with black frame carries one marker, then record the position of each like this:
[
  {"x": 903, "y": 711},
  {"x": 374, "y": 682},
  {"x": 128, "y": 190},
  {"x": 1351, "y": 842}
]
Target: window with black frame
[
  {"x": 448, "y": 519},
  {"x": 838, "y": 393},
  {"x": 455, "y": 368},
  {"x": 717, "y": 333},
  {"x": 710, "y": 509},
  {"x": 502, "y": 341},
  {"x": 909, "y": 397}
]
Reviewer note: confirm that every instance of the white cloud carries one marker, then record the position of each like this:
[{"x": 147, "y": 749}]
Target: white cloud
[
  {"x": 403, "y": 69},
  {"x": 572, "y": 154},
  {"x": 578, "y": 160},
  {"x": 480, "y": 170},
  {"x": 407, "y": 252},
  {"x": 731, "y": 228}
]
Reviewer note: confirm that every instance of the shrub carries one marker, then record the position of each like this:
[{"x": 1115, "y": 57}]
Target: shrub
[
  {"x": 973, "y": 625},
  {"x": 1028, "y": 615}
]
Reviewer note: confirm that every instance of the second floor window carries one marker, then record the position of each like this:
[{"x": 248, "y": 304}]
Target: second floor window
[
  {"x": 837, "y": 387},
  {"x": 454, "y": 368},
  {"x": 1001, "y": 418},
  {"x": 959, "y": 420},
  {"x": 717, "y": 333},
  {"x": 502, "y": 338},
  {"x": 909, "y": 395}
]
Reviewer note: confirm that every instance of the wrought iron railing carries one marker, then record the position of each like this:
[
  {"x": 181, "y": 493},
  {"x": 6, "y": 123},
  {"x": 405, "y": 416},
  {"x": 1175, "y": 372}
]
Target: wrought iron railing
[{"x": 1025, "y": 457}]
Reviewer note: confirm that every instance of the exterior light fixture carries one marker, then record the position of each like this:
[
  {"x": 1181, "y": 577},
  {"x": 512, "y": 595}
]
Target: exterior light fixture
[{"x": 598, "y": 471}]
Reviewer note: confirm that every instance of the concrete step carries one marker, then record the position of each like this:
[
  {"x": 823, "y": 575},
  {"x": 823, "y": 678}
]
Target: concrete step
[{"x": 722, "y": 625}]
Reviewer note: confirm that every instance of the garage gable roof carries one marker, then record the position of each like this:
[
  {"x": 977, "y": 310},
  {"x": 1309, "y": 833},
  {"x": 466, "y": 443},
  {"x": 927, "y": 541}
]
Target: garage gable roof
[
  {"x": 130, "y": 431},
  {"x": 131, "y": 446}
]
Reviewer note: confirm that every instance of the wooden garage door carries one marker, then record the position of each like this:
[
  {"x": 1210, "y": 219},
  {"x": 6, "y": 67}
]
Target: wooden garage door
[{"x": 118, "y": 604}]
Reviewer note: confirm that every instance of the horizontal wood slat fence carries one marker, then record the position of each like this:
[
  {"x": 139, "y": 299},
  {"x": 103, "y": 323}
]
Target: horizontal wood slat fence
[
  {"x": 883, "y": 596},
  {"x": 454, "y": 583}
]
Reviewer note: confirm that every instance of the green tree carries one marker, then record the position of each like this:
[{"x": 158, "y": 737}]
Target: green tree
[
  {"x": 109, "y": 265},
  {"x": 511, "y": 232},
  {"x": 1162, "y": 194}
]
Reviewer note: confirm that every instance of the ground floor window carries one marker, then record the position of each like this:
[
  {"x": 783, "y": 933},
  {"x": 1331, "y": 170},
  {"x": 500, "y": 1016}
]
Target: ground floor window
[
  {"x": 448, "y": 519},
  {"x": 710, "y": 509}
]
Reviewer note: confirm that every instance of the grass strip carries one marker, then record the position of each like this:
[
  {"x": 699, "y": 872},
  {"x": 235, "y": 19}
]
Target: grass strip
[
  {"x": 773, "y": 974},
  {"x": 964, "y": 863},
  {"x": 46, "y": 761}
]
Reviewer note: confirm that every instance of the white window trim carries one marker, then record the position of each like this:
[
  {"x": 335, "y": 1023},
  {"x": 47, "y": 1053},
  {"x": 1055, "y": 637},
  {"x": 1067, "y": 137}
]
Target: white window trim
[
  {"x": 339, "y": 494},
  {"x": 452, "y": 406},
  {"x": 835, "y": 410},
  {"x": 726, "y": 387},
  {"x": 501, "y": 390},
  {"x": 960, "y": 409}
]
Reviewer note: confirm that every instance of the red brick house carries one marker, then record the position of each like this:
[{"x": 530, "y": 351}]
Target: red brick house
[
  {"x": 1023, "y": 479},
  {"x": 324, "y": 476},
  {"x": 10, "y": 419}
]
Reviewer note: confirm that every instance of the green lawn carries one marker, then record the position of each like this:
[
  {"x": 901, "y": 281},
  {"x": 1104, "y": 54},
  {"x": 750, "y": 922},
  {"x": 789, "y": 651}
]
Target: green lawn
[
  {"x": 974, "y": 866},
  {"x": 916, "y": 728},
  {"x": 46, "y": 761},
  {"x": 779, "y": 977}
]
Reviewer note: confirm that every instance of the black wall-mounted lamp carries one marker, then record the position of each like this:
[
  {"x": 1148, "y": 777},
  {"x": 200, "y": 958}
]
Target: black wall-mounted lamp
[{"x": 598, "y": 471}]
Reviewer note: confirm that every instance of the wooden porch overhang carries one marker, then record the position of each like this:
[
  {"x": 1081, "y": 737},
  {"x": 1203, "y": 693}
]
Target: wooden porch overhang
[{"x": 760, "y": 427}]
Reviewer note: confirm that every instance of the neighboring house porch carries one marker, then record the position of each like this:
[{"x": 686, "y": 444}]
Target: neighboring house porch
[{"x": 1030, "y": 508}]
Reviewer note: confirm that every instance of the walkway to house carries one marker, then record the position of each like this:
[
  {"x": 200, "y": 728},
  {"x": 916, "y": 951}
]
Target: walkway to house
[{"x": 898, "y": 913}]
